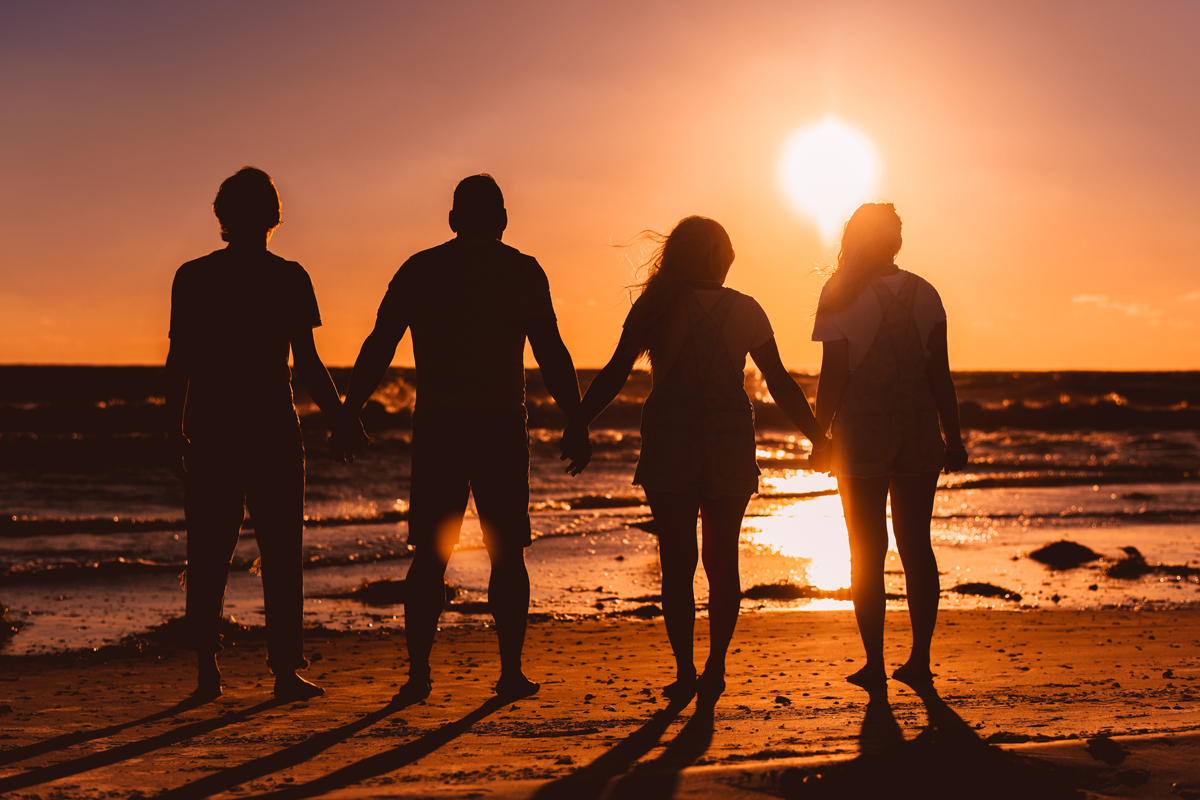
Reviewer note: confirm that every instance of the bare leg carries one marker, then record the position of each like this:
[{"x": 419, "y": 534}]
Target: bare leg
[
  {"x": 721, "y": 518},
  {"x": 508, "y": 597},
  {"x": 864, "y": 501},
  {"x": 912, "y": 507},
  {"x": 675, "y": 524},
  {"x": 426, "y": 589}
]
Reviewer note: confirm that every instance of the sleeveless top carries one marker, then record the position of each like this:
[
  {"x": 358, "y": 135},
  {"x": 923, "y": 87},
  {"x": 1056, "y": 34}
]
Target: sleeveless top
[
  {"x": 697, "y": 423},
  {"x": 887, "y": 421}
]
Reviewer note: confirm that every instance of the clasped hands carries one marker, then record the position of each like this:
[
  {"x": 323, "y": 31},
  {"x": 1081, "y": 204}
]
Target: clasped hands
[
  {"x": 347, "y": 438},
  {"x": 576, "y": 448}
]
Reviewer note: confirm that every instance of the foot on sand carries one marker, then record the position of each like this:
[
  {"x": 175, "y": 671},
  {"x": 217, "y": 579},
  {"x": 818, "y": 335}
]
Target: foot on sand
[
  {"x": 684, "y": 688},
  {"x": 208, "y": 681},
  {"x": 915, "y": 675},
  {"x": 290, "y": 687},
  {"x": 873, "y": 679},
  {"x": 710, "y": 686},
  {"x": 515, "y": 686},
  {"x": 414, "y": 691}
]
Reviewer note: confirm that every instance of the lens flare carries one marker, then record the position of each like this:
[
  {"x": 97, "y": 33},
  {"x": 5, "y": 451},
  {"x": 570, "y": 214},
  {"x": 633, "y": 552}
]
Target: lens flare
[{"x": 827, "y": 170}]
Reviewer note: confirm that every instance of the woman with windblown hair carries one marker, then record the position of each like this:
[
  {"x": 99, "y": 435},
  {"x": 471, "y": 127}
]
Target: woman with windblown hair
[
  {"x": 885, "y": 385},
  {"x": 697, "y": 456}
]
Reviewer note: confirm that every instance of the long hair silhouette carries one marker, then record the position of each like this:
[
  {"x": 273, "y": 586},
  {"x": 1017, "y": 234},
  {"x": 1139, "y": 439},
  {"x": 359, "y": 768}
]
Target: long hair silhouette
[
  {"x": 697, "y": 250},
  {"x": 870, "y": 242}
]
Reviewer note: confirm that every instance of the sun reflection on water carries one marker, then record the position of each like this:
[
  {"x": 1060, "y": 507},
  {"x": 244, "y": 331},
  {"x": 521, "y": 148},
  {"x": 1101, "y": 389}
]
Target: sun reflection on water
[{"x": 810, "y": 529}]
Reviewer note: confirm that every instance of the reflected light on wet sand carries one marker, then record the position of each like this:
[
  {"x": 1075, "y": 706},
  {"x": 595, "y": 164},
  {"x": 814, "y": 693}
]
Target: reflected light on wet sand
[{"x": 813, "y": 529}]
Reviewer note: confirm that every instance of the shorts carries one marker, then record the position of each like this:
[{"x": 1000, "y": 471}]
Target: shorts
[
  {"x": 870, "y": 445},
  {"x": 457, "y": 452}
]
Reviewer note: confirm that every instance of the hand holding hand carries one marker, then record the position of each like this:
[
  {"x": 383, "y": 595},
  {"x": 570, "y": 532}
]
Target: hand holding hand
[
  {"x": 348, "y": 439},
  {"x": 956, "y": 458},
  {"x": 821, "y": 457},
  {"x": 576, "y": 447}
]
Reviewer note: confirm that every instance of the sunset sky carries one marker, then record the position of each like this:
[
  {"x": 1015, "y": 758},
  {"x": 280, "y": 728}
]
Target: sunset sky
[{"x": 1043, "y": 156}]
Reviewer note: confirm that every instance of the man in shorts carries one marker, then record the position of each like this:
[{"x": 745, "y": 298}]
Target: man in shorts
[
  {"x": 470, "y": 303},
  {"x": 236, "y": 314}
]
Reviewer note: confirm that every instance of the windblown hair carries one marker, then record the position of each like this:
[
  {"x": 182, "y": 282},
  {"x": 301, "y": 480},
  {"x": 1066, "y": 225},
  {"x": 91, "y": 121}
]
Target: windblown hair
[
  {"x": 694, "y": 253},
  {"x": 870, "y": 242},
  {"x": 247, "y": 204}
]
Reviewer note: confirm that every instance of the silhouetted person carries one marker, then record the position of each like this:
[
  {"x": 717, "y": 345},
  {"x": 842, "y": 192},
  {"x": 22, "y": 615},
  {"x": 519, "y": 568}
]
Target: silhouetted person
[
  {"x": 470, "y": 303},
  {"x": 235, "y": 314},
  {"x": 885, "y": 384},
  {"x": 698, "y": 447}
]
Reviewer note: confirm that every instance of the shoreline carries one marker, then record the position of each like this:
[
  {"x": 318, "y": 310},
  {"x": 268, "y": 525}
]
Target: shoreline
[{"x": 84, "y": 724}]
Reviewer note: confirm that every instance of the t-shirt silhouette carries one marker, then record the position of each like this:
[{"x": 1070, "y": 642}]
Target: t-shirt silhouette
[
  {"x": 235, "y": 312},
  {"x": 468, "y": 303}
]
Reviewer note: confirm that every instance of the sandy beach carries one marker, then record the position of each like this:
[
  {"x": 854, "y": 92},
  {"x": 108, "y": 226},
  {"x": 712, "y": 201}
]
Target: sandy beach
[{"x": 1027, "y": 698}]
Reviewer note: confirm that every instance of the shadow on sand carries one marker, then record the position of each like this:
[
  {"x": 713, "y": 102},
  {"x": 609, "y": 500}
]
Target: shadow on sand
[
  {"x": 946, "y": 760},
  {"x": 656, "y": 778},
  {"x": 15, "y": 754},
  {"x": 371, "y": 767},
  {"x": 123, "y": 752}
]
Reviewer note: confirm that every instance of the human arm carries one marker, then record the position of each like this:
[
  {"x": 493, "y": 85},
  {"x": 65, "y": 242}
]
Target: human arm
[
  {"x": 835, "y": 371},
  {"x": 177, "y": 389},
  {"x": 374, "y": 357},
  {"x": 315, "y": 378},
  {"x": 937, "y": 367},
  {"x": 786, "y": 393},
  {"x": 558, "y": 373}
]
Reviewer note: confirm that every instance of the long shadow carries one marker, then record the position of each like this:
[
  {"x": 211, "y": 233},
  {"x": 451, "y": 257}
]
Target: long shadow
[
  {"x": 288, "y": 757},
  {"x": 390, "y": 760},
  {"x": 123, "y": 752},
  {"x": 62, "y": 742},
  {"x": 945, "y": 760},
  {"x": 589, "y": 782},
  {"x": 660, "y": 778}
]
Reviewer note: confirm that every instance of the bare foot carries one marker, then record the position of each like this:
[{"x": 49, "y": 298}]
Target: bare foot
[
  {"x": 515, "y": 686},
  {"x": 208, "y": 680},
  {"x": 290, "y": 687},
  {"x": 871, "y": 678},
  {"x": 710, "y": 686},
  {"x": 684, "y": 688},
  {"x": 414, "y": 691},
  {"x": 918, "y": 676}
]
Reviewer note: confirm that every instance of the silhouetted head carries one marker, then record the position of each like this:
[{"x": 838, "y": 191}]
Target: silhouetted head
[
  {"x": 697, "y": 253},
  {"x": 478, "y": 208},
  {"x": 247, "y": 206},
  {"x": 870, "y": 242}
]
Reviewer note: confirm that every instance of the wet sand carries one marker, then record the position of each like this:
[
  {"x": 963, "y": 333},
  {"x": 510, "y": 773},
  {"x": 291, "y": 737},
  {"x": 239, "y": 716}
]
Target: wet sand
[{"x": 1023, "y": 696}]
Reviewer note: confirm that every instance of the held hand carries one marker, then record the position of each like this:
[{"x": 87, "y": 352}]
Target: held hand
[
  {"x": 576, "y": 448},
  {"x": 348, "y": 439},
  {"x": 956, "y": 458},
  {"x": 821, "y": 457},
  {"x": 177, "y": 458}
]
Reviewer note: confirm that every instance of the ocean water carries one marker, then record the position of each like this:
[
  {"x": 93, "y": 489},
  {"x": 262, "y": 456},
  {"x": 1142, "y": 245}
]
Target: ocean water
[{"x": 92, "y": 538}]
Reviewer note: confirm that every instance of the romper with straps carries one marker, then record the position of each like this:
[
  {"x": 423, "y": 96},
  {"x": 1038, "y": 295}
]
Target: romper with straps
[
  {"x": 697, "y": 423},
  {"x": 887, "y": 420}
]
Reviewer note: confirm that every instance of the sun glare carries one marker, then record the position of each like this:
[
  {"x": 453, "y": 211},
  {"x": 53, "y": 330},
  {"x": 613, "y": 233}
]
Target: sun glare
[{"x": 826, "y": 171}]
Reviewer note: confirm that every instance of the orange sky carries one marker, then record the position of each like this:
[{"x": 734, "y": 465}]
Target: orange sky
[{"x": 1042, "y": 156}]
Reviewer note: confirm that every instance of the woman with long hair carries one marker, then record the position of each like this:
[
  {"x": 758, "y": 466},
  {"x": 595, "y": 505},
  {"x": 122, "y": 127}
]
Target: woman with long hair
[
  {"x": 697, "y": 456},
  {"x": 885, "y": 385}
]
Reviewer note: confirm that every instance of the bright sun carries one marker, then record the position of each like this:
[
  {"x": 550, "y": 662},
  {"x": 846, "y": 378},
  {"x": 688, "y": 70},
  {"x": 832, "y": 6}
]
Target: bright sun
[{"x": 827, "y": 170}]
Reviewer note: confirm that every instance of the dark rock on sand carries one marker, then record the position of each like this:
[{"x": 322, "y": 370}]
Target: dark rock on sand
[
  {"x": 1134, "y": 565},
  {"x": 791, "y": 591},
  {"x": 1104, "y": 749},
  {"x": 987, "y": 590},
  {"x": 644, "y": 612},
  {"x": 385, "y": 592},
  {"x": 1064, "y": 554}
]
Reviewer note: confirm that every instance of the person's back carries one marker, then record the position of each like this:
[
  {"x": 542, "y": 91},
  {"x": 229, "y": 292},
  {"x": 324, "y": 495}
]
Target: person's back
[
  {"x": 236, "y": 315},
  {"x": 237, "y": 309},
  {"x": 469, "y": 302}
]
